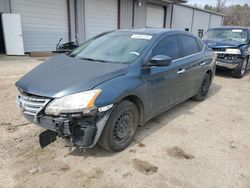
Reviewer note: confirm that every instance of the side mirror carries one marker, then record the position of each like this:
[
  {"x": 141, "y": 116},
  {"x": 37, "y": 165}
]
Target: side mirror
[{"x": 160, "y": 60}]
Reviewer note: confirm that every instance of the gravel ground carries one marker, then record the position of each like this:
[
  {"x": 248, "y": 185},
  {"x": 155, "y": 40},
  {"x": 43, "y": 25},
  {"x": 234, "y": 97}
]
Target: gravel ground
[{"x": 193, "y": 145}]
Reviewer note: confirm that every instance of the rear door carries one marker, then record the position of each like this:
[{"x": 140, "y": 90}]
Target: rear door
[
  {"x": 166, "y": 85},
  {"x": 195, "y": 62}
]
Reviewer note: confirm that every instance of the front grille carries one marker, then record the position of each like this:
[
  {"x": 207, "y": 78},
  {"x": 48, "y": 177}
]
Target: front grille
[
  {"x": 31, "y": 104},
  {"x": 219, "y": 49}
]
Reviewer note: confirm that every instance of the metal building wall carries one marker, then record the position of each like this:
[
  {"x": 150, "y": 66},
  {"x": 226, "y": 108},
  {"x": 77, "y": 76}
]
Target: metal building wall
[
  {"x": 169, "y": 15},
  {"x": 139, "y": 15},
  {"x": 134, "y": 16},
  {"x": 80, "y": 20},
  {"x": 126, "y": 14},
  {"x": 72, "y": 19},
  {"x": 43, "y": 23},
  {"x": 182, "y": 17},
  {"x": 4, "y": 6},
  {"x": 215, "y": 20},
  {"x": 200, "y": 21}
]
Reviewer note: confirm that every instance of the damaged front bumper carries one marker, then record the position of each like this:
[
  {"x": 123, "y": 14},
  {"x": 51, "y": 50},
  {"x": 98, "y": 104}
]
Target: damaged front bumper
[{"x": 83, "y": 130}]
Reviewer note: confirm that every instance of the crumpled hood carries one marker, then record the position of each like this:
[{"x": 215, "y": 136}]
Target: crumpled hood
[
  {"x": 62, "y": 75},
  {"x": 223, "y": 43}
]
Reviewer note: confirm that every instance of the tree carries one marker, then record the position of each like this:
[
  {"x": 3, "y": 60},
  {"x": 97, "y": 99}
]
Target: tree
[
  {"x": 220, "y": 6},
  {"x": 236, "y": 15}
]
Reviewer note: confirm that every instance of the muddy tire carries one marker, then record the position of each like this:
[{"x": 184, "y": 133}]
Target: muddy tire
[
  {"x": 120, "y": 128},
  {"x": 240, "y": 71},
  {"x": 204, "y": 88}
]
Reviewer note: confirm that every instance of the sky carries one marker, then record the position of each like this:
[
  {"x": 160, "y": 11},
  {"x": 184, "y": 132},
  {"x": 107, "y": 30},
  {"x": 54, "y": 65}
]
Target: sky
[{"x": 213, "y": 2}]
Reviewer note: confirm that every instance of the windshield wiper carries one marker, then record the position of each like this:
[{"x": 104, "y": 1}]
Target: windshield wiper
[{"x": 91, "y": 59}]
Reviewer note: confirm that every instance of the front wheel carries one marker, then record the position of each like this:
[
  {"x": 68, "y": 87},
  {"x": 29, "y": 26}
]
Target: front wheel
[
  {"x": 204, "y": 88},
  {"x": 241, "y": 70},
  {"x": 120, "y": 128}
]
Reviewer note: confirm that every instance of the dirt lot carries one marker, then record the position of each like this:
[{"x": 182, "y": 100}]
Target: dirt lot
[{"x": 193, "y": 145}]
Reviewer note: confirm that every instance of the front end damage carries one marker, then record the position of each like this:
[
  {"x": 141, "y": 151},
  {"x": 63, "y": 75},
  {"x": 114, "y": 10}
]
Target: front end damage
[{"x": 78, "y": 129}]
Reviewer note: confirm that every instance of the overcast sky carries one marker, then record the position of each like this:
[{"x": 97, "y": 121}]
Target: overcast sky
[{"x": 213, "y": 2}]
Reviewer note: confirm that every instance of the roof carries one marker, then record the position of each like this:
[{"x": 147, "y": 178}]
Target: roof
[
  {"x": 152, "y": 31},
  {"x": 176, "y": 1},
  {"x": 201, "y": 9},
  {"x": 145, "y": 30}
]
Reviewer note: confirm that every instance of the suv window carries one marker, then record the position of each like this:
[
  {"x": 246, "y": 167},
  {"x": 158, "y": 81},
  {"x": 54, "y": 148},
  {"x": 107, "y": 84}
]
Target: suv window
[
  {"x": 189, "y": 45},
  {"x": 168, "y": 46}
]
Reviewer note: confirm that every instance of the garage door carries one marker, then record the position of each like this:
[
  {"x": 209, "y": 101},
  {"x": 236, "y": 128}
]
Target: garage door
[
  {"x": 155, "y": 16},
  {"x": 100, "y": 16},
  {"x": 43, "y": 23}
]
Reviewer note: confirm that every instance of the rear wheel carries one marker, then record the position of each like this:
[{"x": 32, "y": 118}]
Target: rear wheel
[
  {"x": 120, "y": 128},
  {"x": 204, "y": 88},
  {"x": 241, "y": 70}
]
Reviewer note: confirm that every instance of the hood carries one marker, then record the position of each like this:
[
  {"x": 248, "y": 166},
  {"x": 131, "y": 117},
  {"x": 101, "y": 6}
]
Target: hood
[
  {"x": 223, "y": 43},
  {"x": 62, "y": 75}
]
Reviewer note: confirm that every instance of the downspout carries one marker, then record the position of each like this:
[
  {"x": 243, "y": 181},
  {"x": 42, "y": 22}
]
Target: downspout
[
  {"x": 76, "y": 21},
  {"x": 10, "y": 6},
  {"x": 210, "y": 17},
  {"x": 69, "y": 21},
  {"x": 165, "y": 17},
  {"x": 133, "y": 14},
  {"x": 192, "y": 25},
  {"x": 171, "y": 19},
  {"x": 119, "y": 15}
]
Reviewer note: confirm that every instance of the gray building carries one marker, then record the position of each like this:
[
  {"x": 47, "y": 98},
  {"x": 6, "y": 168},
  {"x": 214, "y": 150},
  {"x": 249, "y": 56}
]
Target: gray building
[{"x": 44, "y": 22}]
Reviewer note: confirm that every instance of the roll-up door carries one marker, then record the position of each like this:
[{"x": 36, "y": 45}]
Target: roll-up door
[
  {"x": 155, "y": 16},
  {"x": 43, "y": 23},
  {"x": 100, "y": 16}
]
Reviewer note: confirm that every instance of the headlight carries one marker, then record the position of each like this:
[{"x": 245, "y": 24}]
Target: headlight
[
  {"x": 74, "y": 103},
  {"x": 233, "y": 51}
]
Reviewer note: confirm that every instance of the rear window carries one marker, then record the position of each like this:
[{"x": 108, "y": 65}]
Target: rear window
[{"x": 189, "y": 45}]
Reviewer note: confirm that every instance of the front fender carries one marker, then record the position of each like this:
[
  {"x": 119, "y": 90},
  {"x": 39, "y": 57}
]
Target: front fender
[{"x": 113, "y": 91}]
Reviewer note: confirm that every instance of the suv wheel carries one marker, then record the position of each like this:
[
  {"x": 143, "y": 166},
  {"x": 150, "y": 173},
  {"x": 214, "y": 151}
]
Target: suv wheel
[
  {"x": 241, "y": 70},
  {"x": 204, "y": 88},
  {"x": 120, "y": 128}
]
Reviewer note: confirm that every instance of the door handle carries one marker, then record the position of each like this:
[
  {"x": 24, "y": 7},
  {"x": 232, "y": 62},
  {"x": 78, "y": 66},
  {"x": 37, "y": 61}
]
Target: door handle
[
  {"x": 181, "y": 71},
  {"x": 203, "y": 64}
]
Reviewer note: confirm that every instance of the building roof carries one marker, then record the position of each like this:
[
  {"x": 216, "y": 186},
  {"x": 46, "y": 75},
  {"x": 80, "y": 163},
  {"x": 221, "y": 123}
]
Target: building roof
[
  {"x": 175, "y": 1},
  {"x": 201, "y": 9}
]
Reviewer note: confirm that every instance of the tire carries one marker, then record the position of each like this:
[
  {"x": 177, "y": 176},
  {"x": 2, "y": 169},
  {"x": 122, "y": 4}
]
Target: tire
[
  {"x": 204, "y": 88},
  {"x": 120, "y": 128},
  {"x": 240, "y": 71}
]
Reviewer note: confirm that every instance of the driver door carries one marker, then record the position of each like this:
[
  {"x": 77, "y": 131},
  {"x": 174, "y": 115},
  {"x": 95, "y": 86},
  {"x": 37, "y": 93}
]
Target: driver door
[{"x": 166, "y": 85}]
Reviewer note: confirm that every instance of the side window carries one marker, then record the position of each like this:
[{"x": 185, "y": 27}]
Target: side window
[
  {"x": 189, "y": 45},
  {"x": 200, "y": 44},
  {"x": 168, "y": 46}
]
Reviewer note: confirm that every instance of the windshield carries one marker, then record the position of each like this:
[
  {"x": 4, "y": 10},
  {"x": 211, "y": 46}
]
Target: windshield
[
  {"x": 116, "y": 47},
  {"x": 239, "y": 35}
]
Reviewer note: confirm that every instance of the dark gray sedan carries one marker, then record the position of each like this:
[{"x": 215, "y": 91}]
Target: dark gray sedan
[{"x": 104, "y": 89}]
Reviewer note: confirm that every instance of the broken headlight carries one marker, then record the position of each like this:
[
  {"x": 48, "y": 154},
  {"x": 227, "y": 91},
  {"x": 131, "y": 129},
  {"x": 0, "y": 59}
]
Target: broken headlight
[{"x": 74, "y": 103}]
